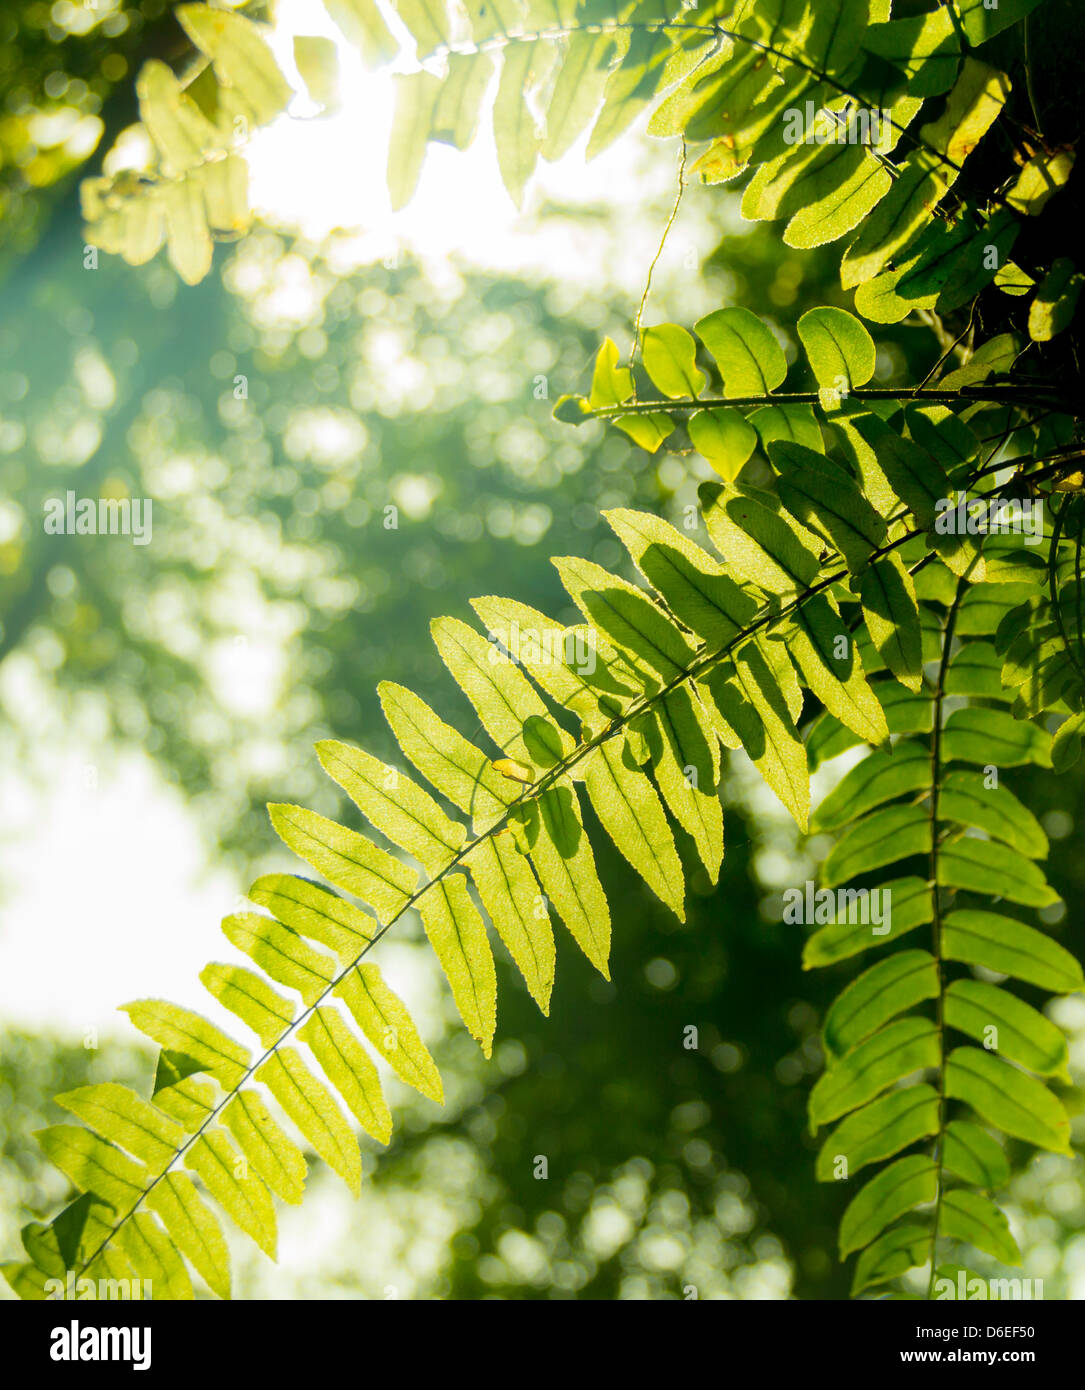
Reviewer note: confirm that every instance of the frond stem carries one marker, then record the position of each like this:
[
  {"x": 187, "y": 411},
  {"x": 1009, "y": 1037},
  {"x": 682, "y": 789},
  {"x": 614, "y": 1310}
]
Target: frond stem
[
  {"x": 1006, "y": 394},
  {"x": 936, "y": 915}
]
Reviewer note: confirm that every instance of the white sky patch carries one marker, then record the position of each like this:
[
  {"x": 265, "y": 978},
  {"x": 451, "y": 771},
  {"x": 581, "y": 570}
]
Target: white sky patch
[
  {"x": 322, "y": 173},
  {"x": 108, "y": 896}
]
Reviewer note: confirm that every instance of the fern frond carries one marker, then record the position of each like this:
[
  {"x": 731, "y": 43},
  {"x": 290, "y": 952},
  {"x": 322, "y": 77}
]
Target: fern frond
[{"x": 919, "y": 806}]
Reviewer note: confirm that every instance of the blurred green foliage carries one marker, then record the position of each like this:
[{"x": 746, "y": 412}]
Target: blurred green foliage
[{"x": 275, "y": 416}]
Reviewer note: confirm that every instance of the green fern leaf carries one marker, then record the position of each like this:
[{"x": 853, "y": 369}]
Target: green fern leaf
[
  {"x": 458, "y": 937},
  {"x": 313, "y": 912},
  {"x": 750, "y": 360},
  {"x": 907, "y": 1183},
  {"x": 877, "y": 1131},
  {"x": 348, "y": 860},
  {"x": 511, "y": 896},
  {"x": 273, "y": 1157},
  {"x": 248, "y": 995},
  {"x": 312, "y": 1108},
  {"x": 240, "y": 1194},
  {"x": 878, "y": 995},
  {"x": 193, "y": 1229},
  {"x": 347, "y": 1066},
  {"x": 1008, "y": 1099},
  {"x": 384, "y": 1020},
  {"x": 553, "y": 833},
  {"x": 974, "y": 1155},
  {"x": 180, "y": 1030},
  {"x": 631, "y": 813},
  {"x": 394, "y": 805},
  {"x": 1007, "y": 1026},
  {"x": 281, "y": 953},
  {"x": 1012, "y": 948},
  {"x": 872, "y": 1066}
]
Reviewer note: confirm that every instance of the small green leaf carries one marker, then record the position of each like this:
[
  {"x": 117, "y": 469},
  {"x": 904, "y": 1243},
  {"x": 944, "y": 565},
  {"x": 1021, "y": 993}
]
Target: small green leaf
[
  {"x": 751, "y": 361},
  {"x": 891, "y": 1255},
  {"x": 317, "y": 61},
  {"x": 725, "y": 438},
  {"x": 991, "y": 737},
  {"x": 242, "y": 58},
  {"x": 983, "y": 21},
  {"x": 972, "y": 1217},
  {"x": 981, "y": 866},
  {"x": 193, "y": 1229},
  {"x": 275, "y": 1158},
  {"x": 281, "y": 953},
  {"x": 362, "y": 24},
  {"x": 611, "y": 384},
  {"x": 1067, "y": 743},
  {"x": 312, "y": 1108},
  {"x": 840, "y": 350},
  {"x": 577, "y": 91},
  {"x": 883, "y": 837},
  {"x": 119, "y": 1115},
  {"x": 180, "y": 1030},
  {"x": 427, "y": 21},
  {"x": 878, "y": 995},
  {"x": 1008, "y": 1099},
  {"x": 456, "y": 115},
  {"x": 515, "y": 132},
  {"x": 248, "y": 995},
  {"x": 820, "y": 495},
  {"x": 695, "y": 587},
  {"x": 554, "y": 834},
  {"x": 758, "y": 543},
  {"x": 670, "y": 360},
  {"x": 400, "y": 809},
  {"x": 878, "y": 1131},
  {"x": 967, "y": 798},
  {"x": 458, "y": 936},
  {"x": 872, "y": 1066},
  {"x": 748, "y": 700},
  {"x": 632, "y": 815},
  {"x": 347, "y": 1066},
  {"x": 511, "y": 896},
  {"x": 94, "y": 1166},
  {"x": 907, "y": 1183},
  {"x": 892, "y": 617},
  {"x": 416, "y": 97},
  {"x": 348, "y": 860},
  {"x": 1055, "y": 304},
  {"x": 974, "y": 1155},
  {"x": 814, "y": 644},
  {"x": 911, "y": 908},
  {"x": 880, "y": 777},
  {"x": 1007, "y": 1026},
  {"x": 240, "y": 1194},
  {"x": 154, "y": 1257},
  {"x": 1012, "y": 948},
  {"x": 455, "y": 767},
  {"x": 313, "y": 912},
  {"x": 384, "y": 1020}
]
